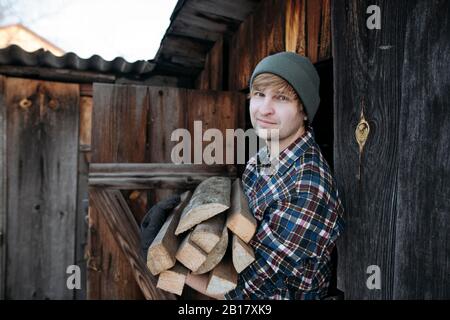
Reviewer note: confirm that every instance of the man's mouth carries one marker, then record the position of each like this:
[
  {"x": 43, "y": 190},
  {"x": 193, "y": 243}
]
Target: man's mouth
[{"x": 265, "y": 122}]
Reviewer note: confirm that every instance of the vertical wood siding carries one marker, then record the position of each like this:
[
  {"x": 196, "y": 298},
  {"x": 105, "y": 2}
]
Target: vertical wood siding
[
  {"x": 42, "y": 187},
  {"x": 397, "y": 212}
]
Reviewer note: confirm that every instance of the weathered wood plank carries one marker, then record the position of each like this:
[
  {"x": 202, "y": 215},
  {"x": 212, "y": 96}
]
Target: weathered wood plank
[
  {"x": 370, "y": 202},
  {"x": 113, "y": 170},
  {"x": 121, "y": 222},
  {"x": 422, "y": 234},
  {"x": 211, "y": 78},
  {"x": 53, "y": 74},
  {"x": 216, "y": 110},
  {"x": 86, "y": 104},
  {"x": 162, "y": 251},
  {"x": 295, "y": 32},
  {"x": 3, "y": 188},
  {"x": 166, "y": 114},
  {"x": 313, "y": 17},
  {"x": 119, "y": 120},
  {"x": 42, "y": 187},
  {"x": 302, "y": 26},
  {"x": 275, "y": 12},
  {"x": 325, "y": 32},
  {"x": 211, "y": 197},
  {"x": 81, "y": 226}
]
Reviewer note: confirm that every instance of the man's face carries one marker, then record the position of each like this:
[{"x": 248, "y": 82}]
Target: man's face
[{"x": 273, "y": 110}]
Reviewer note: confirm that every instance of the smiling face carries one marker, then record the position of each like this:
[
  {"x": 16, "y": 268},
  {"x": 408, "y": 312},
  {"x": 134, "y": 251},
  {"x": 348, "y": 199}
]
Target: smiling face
[{"x": 275, "y": 105}]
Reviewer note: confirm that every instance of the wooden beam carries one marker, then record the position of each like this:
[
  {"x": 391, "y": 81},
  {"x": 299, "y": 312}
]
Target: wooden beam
[
  {"x": 126, "y": 232},
  {"x": 216, "y": 255},
  {"x": 154, "y": 175},
  {"x": 222, "y": 279},
  {"x": 64, "y": 75},
  {"x": 86, "y": 90},
  {"x": 114, "y": 170},
  {"x": 161, "y": 253},
  {"x": 243, "y": 255},
  {"x": 211, "y": 197},
  {"x": 190, "y": 255},
  {"x": 85, "y": 123},
  {"x": 240, "y": 220},
  {"x": 208, "y": 233},
  {"x": 173, "y": 280}
]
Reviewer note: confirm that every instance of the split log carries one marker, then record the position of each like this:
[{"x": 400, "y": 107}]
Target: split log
[
  {"x": 217, "y": 253},
  {"x": 161, "y": 253},
  {"x": 208, "y": 233},
  {"x": 240, "y": 220},
  {"x": 190, "y": 255},
  {"x": 243, "y": 254},
  {"x": 210, "y": 198},
  {"x": 173, "y": 280},
  {"x": 222, "y": 279}
]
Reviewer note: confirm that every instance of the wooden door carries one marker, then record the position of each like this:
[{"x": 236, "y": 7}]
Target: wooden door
[{"x": 38, "y": 186}]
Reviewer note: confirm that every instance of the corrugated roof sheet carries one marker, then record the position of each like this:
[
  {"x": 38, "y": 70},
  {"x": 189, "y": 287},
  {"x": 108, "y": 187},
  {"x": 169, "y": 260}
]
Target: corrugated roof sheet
[{"x": 16, "y": 56}]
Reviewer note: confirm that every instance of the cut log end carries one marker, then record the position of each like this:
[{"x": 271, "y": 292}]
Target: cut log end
[
  {"x": 240, "y": 220},
  {"x": 190, "y": 255},
  {"x": 216, "y": 255},
  {"x": 222, "y": 279},
  {"x": 243, "y": 254},
  {"x": 173, "y": 280},
  {"x": 208, "y": 233}
]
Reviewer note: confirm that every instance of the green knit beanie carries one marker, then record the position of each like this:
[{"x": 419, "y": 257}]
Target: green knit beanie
[{"x": 299, "y": 72}]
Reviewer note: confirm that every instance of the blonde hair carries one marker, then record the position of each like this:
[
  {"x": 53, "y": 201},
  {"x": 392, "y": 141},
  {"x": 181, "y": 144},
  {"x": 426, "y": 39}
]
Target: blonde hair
[{"x": 268, "y": 80}]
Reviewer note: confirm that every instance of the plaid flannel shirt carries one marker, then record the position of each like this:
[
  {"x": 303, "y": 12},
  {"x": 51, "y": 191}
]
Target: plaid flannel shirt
[{"x": 299, "y": 216}]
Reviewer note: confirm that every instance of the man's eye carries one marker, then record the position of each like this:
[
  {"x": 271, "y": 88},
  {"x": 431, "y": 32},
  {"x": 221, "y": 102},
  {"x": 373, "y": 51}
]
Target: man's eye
[
  {"x": 258, "y": 94},
  {"x": 283, "y": 98}
]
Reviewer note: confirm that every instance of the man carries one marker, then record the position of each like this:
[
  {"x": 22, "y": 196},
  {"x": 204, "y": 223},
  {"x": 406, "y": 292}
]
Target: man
[{"x": 297, "y": 205}]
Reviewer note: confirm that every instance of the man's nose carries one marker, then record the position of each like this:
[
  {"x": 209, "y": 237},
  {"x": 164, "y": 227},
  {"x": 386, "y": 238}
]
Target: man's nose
[{"x": 266, "y": 106}]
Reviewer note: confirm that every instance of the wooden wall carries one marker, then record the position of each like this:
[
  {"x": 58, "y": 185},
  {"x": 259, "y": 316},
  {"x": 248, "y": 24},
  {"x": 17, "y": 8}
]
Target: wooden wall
[
  {"x": 133, "y": 124},
  {"x": 302, "y": 26},
  {"x": 397, "y": 213},
  {"x": 39, "y": 133},
  {"x": 3, "y": 188}
]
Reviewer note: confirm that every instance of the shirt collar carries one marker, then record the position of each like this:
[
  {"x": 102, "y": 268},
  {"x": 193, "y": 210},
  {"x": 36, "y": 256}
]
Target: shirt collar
[{"x": 287, "y": 156}]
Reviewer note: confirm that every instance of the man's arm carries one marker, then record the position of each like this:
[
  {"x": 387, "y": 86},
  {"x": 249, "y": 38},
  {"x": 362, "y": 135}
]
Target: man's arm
[{"x": 292, "y": 230}]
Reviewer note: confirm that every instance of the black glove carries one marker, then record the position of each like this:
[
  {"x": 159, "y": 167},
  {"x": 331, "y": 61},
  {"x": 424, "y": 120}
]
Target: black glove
[{"x": 154, "y": 219}]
